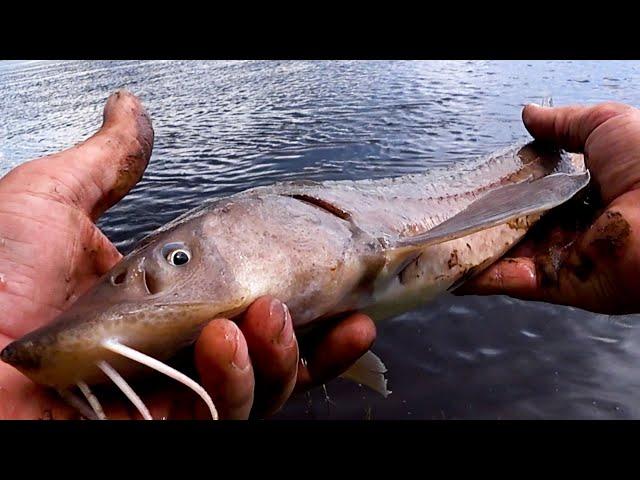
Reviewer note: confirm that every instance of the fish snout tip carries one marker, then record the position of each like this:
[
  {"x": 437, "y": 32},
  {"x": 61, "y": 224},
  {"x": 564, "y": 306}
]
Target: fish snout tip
[
  {"x": 19, "y": 355},
  {"x": 9, "y": 353}
]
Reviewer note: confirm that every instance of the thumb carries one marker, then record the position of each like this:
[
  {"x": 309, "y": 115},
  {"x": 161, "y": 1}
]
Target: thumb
[
  {"x": 569, "y": 127},
  {"x": 115, "y": 158},
  {"x": 97, "y": 173}
]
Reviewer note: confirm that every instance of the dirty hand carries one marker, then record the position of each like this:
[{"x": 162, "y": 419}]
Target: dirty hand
[
  {"x": 51, "y": 252},
  {"x": 596, "y": 269}
]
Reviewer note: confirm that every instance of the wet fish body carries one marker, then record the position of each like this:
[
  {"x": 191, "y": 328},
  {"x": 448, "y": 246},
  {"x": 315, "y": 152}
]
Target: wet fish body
[{"x": 380, "y": 246}]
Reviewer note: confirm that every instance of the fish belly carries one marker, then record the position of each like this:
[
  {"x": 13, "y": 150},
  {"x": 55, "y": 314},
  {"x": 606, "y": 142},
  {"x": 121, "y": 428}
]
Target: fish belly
[{"x": 425, "y": 274}]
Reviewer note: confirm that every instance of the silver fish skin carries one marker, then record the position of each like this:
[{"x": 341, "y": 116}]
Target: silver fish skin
[{"x": 323, "y": 248}]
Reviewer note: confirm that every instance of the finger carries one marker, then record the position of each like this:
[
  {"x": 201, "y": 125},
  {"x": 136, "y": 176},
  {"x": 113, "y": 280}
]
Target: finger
[
  {"x": 268, "y": 329},
  {"x": 515, "y": 277},
  {"x": 569, "y": 127},
  {"x": 95, "y": 174},
  {"x": 115, "y": 157},
  {"x": 335, "y": 350},
  {"x": 222, "y": 360}
]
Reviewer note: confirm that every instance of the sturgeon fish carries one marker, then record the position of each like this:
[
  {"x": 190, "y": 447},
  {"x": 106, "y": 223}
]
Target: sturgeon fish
[{"x": 379, "y": 246}]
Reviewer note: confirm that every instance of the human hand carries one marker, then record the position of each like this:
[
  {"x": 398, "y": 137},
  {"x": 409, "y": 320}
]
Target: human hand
[
  {"x": 596, "y": 269},
  {"x": 51, "y": 252}
]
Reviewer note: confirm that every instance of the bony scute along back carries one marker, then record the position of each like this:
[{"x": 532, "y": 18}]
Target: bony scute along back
[{"x": 380, "y": 246}]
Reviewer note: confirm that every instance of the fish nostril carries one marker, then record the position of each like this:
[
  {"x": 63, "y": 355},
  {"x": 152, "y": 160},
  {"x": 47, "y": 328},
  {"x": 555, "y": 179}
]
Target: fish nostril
[
  {"x": 118, "y": 279},
  {"x": 151, "y": 283}
]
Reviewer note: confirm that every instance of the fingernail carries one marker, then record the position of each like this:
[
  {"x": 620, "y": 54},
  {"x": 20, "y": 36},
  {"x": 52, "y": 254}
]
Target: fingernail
[
  {"x": 241, "y": 356},
  {"x": 286, "y": 332}
]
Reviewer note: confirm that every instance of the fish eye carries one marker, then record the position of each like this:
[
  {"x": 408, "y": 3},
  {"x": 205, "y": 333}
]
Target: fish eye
[{"x": 176, "y": 255}]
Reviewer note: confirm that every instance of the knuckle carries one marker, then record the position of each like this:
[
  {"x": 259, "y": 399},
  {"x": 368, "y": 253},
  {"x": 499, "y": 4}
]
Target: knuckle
[{"x": 602, "y": 112}]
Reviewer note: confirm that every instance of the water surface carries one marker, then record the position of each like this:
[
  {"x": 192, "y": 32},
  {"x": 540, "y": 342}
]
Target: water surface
[{"x": 222, "y": 127}]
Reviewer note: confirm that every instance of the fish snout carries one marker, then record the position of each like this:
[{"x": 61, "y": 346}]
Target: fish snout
[
  {"x": 21, "y": 354},
  {"x": 48, "y": 362}
]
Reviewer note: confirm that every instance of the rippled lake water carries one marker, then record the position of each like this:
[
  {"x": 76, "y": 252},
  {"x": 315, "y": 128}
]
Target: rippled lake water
[{"x": 222, "y": 127}]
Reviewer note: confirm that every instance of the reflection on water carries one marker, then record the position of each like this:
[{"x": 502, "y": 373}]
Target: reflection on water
[{"x": 222, "y": 127}]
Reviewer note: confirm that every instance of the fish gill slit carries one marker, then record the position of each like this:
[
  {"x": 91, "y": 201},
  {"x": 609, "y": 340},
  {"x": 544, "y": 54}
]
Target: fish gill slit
[
  {"x": 163, "y": 368},
  {"x": 323, "y": 204}
]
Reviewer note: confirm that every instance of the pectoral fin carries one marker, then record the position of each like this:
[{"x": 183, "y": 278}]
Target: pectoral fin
[
  {"x": 369, "y": 370},
  {"x": 502, "y": 205}
]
